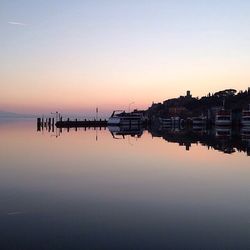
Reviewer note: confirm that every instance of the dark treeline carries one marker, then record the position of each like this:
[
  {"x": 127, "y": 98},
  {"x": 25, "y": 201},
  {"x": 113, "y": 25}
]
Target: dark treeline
[{"x": 188, "y": 106}]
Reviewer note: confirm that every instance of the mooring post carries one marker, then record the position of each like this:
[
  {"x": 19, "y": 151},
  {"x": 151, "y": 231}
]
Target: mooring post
[
  {"x": 38, "y": 124},
  {"x": 49, "y": 122}
]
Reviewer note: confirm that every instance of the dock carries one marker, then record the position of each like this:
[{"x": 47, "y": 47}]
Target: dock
[
  {"x": 50, "y": 123},
  {"x": 81, "y": 123}
]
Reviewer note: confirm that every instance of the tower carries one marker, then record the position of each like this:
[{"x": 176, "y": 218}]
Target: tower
[{"x": 189, "y": 94}]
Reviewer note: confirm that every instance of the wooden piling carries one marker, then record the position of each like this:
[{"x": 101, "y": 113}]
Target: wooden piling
[{"x": 38, "y": 124}]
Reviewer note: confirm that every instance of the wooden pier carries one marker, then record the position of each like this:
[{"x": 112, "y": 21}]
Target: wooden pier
[
  {"x": 50, "y": 123},
  {"x": 81, "y": 123}
]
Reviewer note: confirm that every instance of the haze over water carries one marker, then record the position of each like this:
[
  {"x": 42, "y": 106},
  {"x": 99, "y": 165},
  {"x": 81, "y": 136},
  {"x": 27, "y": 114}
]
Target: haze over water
[{"x": 76, "y": 192}]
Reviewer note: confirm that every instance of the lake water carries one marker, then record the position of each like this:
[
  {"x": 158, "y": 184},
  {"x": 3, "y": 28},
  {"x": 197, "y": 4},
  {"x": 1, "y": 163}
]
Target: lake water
[{"x": 94, "y": 190}]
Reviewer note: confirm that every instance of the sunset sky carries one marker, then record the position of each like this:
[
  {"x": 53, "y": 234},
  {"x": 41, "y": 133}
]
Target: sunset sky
[{"x": 73, "y": 56}]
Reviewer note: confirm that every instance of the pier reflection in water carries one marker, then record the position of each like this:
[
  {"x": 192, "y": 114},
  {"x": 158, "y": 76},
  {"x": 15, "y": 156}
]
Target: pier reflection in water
[
  {"x": 83, "y": 189},
  {"x": 224, "y": 139}
]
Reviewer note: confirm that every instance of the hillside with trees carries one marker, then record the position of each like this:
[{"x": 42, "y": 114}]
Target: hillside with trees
[{"x": 188, "y": 106}]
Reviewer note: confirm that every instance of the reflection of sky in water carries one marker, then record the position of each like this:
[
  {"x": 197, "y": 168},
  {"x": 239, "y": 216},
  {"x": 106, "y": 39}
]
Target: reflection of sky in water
[{"x": 75, "y": 192}]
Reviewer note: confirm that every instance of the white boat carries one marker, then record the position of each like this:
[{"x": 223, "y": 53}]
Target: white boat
[
  {"x": 121, "y": 118},
  {"x": 245, "y": 119},
  {"x": 223, "y": 118}
]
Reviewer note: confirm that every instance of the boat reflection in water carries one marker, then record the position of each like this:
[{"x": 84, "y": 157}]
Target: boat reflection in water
[
  {"x": 119, "y": 132},
  {"x": 245, "y": 119},
  {"x": 245, "y": 134},
  {"x": 220, "y": 138},
  {"x": 199, "y": 123},
  {"x": 245, "y": 130},
  {"x": 245, "y": 137},
  {"x": 223, "y": 132}
]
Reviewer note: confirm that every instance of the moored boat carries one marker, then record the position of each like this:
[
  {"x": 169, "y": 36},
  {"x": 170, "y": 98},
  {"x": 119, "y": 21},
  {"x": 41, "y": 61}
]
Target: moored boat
[
  {"x": 223, "y": 118},
  {"x": 120, "y": 118},
  {"x": 245, "y": 119}
]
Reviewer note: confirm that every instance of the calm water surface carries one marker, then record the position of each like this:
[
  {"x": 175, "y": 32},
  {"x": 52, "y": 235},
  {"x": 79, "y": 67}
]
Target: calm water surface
[{"x": 87, "y": 190}]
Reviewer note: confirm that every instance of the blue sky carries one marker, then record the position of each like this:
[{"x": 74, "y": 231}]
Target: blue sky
[{"x": 115, "y": 52}]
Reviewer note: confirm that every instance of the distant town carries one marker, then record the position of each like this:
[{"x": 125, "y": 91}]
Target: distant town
[
  {"x": 225, "y": 107},
  {"x": 219, "y": 120}
]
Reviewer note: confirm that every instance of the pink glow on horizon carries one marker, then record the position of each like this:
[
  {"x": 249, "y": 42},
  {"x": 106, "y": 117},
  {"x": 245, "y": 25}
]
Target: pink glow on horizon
[{"x": 90, "y": 54}]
